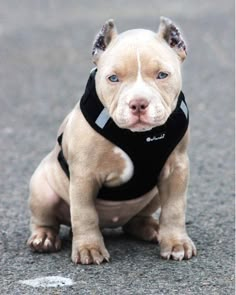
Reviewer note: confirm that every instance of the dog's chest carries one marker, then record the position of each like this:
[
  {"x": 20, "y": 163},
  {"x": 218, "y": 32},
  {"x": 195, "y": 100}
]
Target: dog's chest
[
  {"x": 122, "y": 168},
  {"x": 128, "y": 169}
]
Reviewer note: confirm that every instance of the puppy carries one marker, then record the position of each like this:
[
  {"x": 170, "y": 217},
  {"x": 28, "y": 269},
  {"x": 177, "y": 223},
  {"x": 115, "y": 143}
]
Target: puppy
[{"x": 121, "y": 153}]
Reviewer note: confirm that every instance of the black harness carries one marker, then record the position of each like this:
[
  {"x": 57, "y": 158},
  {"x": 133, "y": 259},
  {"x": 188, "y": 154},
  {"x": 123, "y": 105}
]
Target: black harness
[{"x": 148, "y": 150}]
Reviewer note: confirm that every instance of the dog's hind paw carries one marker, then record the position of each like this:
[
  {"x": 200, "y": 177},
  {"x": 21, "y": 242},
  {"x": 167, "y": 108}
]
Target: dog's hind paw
[
  {"x": 44, "y": 239},
  {"x": 144, "y": 228}
]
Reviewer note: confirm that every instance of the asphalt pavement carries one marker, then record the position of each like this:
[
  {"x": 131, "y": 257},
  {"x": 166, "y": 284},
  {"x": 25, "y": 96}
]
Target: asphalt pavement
[{"x": 45, "y": 58}]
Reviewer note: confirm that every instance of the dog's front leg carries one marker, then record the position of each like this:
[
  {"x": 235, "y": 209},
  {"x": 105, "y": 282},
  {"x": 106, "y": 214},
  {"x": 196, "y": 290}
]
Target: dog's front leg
[
  {"x": 173, "y": 238},
  {"x": 88, "y": 244}
]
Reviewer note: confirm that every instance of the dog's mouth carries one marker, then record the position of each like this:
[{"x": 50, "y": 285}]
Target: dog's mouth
[
  {"x": 136, "y": 125},
  {"x": 140, "y": 126},
  {"x": 140, "y": 123}
]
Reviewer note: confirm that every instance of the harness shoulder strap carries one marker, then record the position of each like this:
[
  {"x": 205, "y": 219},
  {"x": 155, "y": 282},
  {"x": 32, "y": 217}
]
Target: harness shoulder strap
[{"x": 61, "y": 159}]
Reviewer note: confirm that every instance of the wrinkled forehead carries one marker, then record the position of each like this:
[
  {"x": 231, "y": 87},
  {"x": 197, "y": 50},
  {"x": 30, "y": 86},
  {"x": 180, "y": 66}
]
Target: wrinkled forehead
[{"x": 138, "y": 49}]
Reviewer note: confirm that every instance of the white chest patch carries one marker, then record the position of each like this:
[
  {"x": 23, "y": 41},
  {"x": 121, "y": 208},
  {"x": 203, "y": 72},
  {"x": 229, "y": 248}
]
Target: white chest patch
[{"x": 129, "y": 167}]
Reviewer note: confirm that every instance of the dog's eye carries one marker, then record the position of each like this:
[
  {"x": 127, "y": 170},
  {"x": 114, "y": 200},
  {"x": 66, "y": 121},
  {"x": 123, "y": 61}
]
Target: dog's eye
[
  {"x": 162, "y": 75},
  {"x": 113, "y": 78}
]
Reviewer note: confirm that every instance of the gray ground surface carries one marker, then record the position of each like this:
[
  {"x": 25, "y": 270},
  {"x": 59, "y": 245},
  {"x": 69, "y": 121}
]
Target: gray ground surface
[{"x": 44, "y": 64}]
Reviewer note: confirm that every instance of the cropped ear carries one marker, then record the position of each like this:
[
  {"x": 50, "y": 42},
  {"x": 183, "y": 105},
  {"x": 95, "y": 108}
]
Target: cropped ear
[
  {"x": 171, "y": 34},
  {"x": 103, "y": 38}
]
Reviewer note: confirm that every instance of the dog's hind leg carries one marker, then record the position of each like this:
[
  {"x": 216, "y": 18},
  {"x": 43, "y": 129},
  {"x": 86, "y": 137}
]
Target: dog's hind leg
[
  {"x": 143, "y": 226},
  {"x": 43, "y": 203}
]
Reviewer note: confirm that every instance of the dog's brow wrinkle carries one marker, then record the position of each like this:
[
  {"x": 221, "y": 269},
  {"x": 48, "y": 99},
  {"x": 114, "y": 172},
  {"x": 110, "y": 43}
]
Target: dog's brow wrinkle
[{"x": 139, "y": 65}]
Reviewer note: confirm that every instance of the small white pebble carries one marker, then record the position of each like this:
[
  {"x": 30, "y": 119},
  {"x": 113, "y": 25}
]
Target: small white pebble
[{"x": 52, "y": 281}]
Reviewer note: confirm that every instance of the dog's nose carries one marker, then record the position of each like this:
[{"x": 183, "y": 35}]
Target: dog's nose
[{"x": 138, "y": 106}]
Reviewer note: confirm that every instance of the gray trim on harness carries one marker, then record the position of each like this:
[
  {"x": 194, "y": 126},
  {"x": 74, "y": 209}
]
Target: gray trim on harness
[
  {"x": 184, "y": 108},
  {"x": 102, "y": 118}
]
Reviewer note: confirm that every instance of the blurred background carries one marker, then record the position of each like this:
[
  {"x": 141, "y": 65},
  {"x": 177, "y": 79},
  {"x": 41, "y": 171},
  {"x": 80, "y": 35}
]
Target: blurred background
[{"x": 45, "y": 59}]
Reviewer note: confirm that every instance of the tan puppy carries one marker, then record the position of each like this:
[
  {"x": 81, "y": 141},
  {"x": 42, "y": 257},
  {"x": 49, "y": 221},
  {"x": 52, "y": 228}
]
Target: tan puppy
[{"x": 138, "y": 81}]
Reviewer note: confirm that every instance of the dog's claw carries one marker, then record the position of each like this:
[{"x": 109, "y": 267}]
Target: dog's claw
[
  {"x": 77, "y": 260},
  {"x": 97, "y": 262},
  {"x": 37, "y": 242},
  {"x": 107, "y": 259},
  {"x": 165, "y": 256}
]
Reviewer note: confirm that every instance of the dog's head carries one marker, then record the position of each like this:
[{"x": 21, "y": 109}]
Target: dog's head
[{"x": 139, "y": 73}]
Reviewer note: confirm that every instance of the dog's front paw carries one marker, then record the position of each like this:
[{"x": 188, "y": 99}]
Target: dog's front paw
[
  {"x": 92, "y": 253},
  {"x": 177, "y": 247}
]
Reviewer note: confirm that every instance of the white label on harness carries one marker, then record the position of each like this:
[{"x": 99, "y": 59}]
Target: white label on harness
[{"x": 154, "y": 138}]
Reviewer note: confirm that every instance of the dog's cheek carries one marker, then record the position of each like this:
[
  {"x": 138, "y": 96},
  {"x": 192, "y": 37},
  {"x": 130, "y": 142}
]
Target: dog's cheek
[{"x": 121, "y": 113}]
